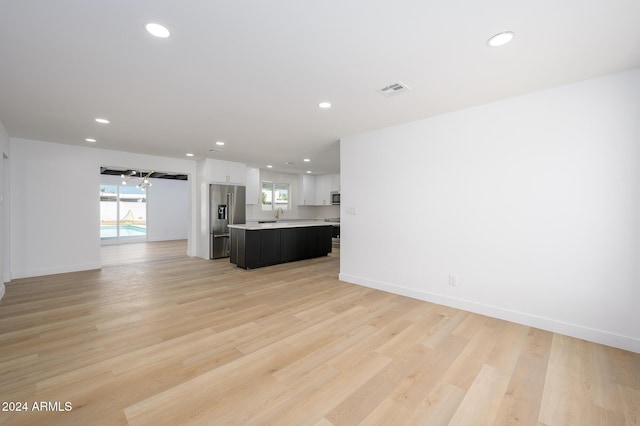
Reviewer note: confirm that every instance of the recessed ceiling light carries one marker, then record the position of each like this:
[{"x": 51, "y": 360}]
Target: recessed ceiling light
[
  {"x": 500, "y": 39},
  {"x": 189, "y": 154},
  {"x": 157, "y": 30},
  {"x": 308, "y": 171},
  {"x": 102, "y": 121},
  {"x": 269, "y": 166},
  {"x": 324, "y": 105},
  {"x": 306, "y": 160},
  {"x": 219, "y": 143},
  {"x": 90, "y": 140}
]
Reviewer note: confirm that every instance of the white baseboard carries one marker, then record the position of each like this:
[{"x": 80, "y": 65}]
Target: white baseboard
[
  {"x": 168, "y": 238},
  {"x": 1, "y": 291},
  {"x": 53, "y": 271},
  {"x": 574, "y": 330}
]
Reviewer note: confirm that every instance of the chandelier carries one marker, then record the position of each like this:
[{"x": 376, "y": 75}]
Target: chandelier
[{"x": 143, "y": 180}]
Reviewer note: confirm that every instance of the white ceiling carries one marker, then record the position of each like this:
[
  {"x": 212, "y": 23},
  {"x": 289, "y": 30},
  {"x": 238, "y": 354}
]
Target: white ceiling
[{"x": 252, "y": 72}]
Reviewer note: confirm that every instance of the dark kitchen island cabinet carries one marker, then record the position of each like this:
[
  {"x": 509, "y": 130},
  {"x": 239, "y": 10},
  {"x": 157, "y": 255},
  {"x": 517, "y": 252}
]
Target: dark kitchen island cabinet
[{"x": 255, "y": 246}]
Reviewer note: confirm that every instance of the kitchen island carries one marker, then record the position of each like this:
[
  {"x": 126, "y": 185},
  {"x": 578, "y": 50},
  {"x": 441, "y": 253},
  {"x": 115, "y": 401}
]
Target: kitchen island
[{"x": 264, "y": 244}]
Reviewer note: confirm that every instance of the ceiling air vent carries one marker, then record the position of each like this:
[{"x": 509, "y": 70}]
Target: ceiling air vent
[{"x": 394, "y": 89}]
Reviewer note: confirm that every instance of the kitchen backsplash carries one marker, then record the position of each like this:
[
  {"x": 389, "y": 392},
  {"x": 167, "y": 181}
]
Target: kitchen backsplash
[{"x": 254, "y": 212}]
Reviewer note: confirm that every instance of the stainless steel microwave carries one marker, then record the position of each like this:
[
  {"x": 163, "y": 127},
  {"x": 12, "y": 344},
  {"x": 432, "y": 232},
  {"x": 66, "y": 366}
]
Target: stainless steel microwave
[{"x": 335, "y": 198}]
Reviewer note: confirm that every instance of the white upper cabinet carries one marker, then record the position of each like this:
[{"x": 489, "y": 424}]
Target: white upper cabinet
[
  {"x": 323, "y": 190},
  {"x": 307, "y": 190},
  {"x": 253, "y": 185},
  {"x": 335, "y": 182},
  {"x": 226, "y": 172},
  {"x": 316, "y": 190}
]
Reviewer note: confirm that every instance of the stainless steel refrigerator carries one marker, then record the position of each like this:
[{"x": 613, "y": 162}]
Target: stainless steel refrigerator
[{"x": 228, "y": 207}]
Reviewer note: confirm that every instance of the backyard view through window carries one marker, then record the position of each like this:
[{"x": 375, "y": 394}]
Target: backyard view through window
[
  {"x": 123, "y": 212},
  {"x": 275, "y": 195}
]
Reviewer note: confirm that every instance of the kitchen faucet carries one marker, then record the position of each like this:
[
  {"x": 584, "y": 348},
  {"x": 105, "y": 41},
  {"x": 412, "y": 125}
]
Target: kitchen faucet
[{"x": 279, "y": 212}]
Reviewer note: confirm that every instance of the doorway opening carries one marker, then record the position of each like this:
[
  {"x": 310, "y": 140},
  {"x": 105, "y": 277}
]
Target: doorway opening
[{"x": 142, "y": 205}]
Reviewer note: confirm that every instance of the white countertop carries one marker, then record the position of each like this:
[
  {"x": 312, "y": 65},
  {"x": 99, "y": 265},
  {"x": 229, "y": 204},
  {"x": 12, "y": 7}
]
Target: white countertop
[{"x": 277, "y": 225}]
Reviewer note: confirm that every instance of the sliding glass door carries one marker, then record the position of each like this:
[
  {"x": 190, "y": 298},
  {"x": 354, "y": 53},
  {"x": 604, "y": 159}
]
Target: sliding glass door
[{"x": 123, "y": 213}]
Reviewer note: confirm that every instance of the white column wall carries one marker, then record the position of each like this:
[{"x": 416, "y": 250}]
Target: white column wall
[
  {"x": 54, "y": 209},
  {"x": 533, "y": 203},
  {"x": 4, "y": 203}
]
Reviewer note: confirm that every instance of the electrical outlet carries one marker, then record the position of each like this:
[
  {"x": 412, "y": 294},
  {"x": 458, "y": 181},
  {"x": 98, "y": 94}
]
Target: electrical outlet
[{"x": 453, "y": 280}]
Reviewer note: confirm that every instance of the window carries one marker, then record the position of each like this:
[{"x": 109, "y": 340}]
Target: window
[
  {"x": 275, "y": 195},
  {"x": 123, "y": 212}
]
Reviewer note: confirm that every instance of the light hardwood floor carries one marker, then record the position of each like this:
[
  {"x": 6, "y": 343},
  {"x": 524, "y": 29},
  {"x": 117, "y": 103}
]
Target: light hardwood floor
[{"x": 156, "y": 337}]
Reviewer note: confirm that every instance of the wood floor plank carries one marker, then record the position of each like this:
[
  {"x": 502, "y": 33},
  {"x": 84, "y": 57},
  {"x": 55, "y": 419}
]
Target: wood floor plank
[
  {"x": 570, "y": 391},
  {"x": 272, "y": 411},
  {"x": 481, "y": 403},
  {"x": 413, "y": 392},
  {"x": 388, "y": 411},
  {"x": 507, "y": 350},
  {"x": 521, "y": 402},
  {"x": 439, "y": 405},
  {"x": 327, "y": 398},
  {"x": 357, "y": 406},
  {"x": 157, "y": 337},
  {"x": 630, "y": 399},
  {"x": 468, "y": 364}
]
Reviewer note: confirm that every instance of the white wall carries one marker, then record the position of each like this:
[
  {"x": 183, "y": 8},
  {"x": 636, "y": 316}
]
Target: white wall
[
  {"x": 533, "y": 202},
  {"x": 54, "y": 208},
  {"x": 4, "y": 203},
  {"x": 168, "y": 210}
]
